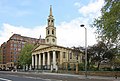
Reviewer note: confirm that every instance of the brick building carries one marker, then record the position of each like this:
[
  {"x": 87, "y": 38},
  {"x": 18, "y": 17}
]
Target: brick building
[
  {"x": 10, "y": 50},
  {"x": 2, "y": 52}
]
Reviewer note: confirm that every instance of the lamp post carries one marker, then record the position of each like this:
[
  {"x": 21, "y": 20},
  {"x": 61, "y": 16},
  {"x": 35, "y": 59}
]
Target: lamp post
[{"x": 85, "y": 50}]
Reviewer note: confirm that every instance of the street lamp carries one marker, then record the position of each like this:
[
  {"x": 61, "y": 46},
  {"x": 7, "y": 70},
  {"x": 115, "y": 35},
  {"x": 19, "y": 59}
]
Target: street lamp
[{"x": 85, "y": 50}]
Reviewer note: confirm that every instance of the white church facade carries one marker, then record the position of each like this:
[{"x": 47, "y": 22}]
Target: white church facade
[{"x": 52, "y": 56}]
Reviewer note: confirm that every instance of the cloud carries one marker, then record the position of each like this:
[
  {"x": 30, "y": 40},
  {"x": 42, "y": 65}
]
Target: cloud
[
  {"x": 71, "y": 34},
  {"x": 8, "y": 30},
  {"x": 68, "y": 33},
  {"x": 92, "y": 9},
  {"x": 77, "y": 4}
]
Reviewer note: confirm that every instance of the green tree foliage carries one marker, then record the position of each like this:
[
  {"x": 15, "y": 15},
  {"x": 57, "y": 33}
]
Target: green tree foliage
[
  {"x": 108, "y": 25},
  {"x": 26, "y": 55},
  {"x": 101, "y": 52}
]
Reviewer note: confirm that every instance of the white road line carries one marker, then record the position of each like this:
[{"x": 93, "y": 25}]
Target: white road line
[{"x": 5, "y": 79}]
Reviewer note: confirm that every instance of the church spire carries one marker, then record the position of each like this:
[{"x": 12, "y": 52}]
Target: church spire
[
  {"x": 50, "y": 10},
  {"x": 51, "y": 30}
]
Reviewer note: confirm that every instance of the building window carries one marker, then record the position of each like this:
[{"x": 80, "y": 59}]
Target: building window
[
  {"x": 53, "y": 32},
  {"x": 48, "y": 32},
  {"x": 70, "y": 55},
  {"x": 14, "y": 52},
  {"x": 15, "y": 49},
  {"x": 63, "y": 54},
  {"x": 15, "y": 45},
  {"x": 77, "y": 56}
]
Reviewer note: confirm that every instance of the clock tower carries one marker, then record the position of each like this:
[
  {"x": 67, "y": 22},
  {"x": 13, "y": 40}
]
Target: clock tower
[{"x": 50, "y": 30}]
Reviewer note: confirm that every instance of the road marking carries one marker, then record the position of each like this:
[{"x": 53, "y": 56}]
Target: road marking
[{"x": 5, "y": 79}]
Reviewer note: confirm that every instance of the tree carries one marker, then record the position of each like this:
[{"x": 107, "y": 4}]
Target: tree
[
  {"x": 101, "y": 52},
  {"x": 108, "y": 24},
  {"x": 25, "y": 55}
]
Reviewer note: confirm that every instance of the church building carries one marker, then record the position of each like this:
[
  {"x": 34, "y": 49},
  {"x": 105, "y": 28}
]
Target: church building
[{"x": 51, "y": 56}]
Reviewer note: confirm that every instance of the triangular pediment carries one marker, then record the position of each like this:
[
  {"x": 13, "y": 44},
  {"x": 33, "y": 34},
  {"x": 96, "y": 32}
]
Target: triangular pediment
[{"x": 41, "y": 46}]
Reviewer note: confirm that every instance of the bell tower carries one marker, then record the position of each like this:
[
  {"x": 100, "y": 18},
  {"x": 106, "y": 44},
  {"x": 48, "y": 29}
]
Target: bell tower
[{"x": 50, "y": 30}]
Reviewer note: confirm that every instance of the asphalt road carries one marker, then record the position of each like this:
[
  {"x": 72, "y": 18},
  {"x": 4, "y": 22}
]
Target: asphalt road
[{"x": 26, "y": 76}]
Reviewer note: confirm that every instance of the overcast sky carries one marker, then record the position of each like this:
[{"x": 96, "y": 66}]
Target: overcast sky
[{"x": 29, "y": 18}]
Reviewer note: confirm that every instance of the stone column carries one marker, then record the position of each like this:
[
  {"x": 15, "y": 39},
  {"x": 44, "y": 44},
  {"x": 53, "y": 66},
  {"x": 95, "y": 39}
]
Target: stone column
[
  {"x": 48, "y": 60},
  {"x": 77, "y": 68},
  {"x": 39, "y": 61},
  {"x": 43, "y": 59},
  {"x": 36, "y": 61},
  {"x": 33, "y": 61},
  {"x": 61, "y": 59},
  {"x": 54, "y": 60}
]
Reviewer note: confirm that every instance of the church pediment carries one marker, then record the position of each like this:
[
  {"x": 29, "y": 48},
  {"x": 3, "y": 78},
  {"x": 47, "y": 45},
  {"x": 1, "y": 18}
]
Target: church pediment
[{"x": 41, "y": 46}]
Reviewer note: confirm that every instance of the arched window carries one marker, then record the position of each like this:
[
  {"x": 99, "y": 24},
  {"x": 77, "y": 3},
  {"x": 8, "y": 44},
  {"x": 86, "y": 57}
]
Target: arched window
[
  {"x": 52, "y": 20},
  {"x": 53, "y": 32},
  {"x": 48, "y": 31}
]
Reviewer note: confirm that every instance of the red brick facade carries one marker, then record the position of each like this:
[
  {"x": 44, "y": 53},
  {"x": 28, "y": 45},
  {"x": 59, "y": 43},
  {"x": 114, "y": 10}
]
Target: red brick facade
[
  {"x": 11, "y": 49},
  {"x": 2, "y": 52}
]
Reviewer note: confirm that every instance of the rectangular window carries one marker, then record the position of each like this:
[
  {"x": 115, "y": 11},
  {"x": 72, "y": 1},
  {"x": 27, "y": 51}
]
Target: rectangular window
[
  {"x": 63, "y": 54},
  {"x": 15, "y": 49},
  {"x": 15, "y": 60},
  {"x": 70, "y": 55},
  {"x": 77, "y": 56},
  {"x": 14, "y": 52},
  {"x": 15, "y": 45}
]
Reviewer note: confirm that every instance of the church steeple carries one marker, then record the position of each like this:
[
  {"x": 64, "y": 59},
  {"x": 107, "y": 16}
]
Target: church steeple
[
  {"x": 50, "y": 18},
  {"x": 51, "y": 30},
  {"x": 50, "y": 10}
]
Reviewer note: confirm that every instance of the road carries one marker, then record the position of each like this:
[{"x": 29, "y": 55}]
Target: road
[{"x": 27, "y": 76}]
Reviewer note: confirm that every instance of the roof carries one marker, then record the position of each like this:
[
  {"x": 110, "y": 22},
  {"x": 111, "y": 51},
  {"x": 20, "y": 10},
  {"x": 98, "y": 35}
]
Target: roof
[{"x": 46, "y": 46}]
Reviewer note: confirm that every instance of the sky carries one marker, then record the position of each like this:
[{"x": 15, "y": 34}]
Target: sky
[{"x": 29, "y": 18}]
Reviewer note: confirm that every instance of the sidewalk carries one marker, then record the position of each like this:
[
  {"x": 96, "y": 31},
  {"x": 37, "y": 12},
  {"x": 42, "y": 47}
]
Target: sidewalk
[{"x": 83, "y": 76}]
